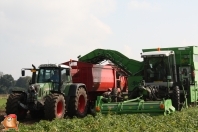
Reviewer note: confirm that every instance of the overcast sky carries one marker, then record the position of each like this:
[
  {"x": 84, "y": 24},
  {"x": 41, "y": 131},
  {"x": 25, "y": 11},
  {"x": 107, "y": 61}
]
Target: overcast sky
[{"x": 49, "y": 31}]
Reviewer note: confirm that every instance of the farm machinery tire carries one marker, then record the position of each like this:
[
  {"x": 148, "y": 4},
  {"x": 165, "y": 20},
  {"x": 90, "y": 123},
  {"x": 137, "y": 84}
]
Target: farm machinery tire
[
  {"x": 78, "y": 104},
  {"x": 176, "y": 98},
  {"x": 114, "y": 94},
  {"x": 13, "y": 106},
  {"x": 54, "y": 106},
  {"x": 37, "y": 114}
]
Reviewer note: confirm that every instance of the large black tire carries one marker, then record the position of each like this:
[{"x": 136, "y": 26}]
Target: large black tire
[
  {"x": 54, "y": 106},
  {"x": 176, "y": 98},
  {"x": 78, "y": 104},
  {"x": 114, "y": 94},
  {"x": 37, "y": 114},
  {"x": 91, "y": 109},
  {"x": 135, "y": 93},
  {"x": 13, "y": 107}
]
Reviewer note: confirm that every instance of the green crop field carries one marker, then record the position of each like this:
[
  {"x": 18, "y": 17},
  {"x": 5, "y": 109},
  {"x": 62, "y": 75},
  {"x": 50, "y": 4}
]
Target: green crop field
[
  {"x": 184, "y": 121},
  {"x": 3, "y": 99}
]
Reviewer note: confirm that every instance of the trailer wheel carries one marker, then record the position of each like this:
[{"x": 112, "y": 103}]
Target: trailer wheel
[
  {"x": 54, "y": 106},
  {"x": 114, "y": 94},
  {"x": 91, "y": 109},
  {"x": 13, "y": 107},
  {"x": 176, "y": 98},
  {"x": 78, "y": 104}
]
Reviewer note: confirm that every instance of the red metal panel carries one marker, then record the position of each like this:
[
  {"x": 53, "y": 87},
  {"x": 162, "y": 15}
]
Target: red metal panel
[
  {"x": 95, "y": 77},
  {"x": 103, "y": 78}
]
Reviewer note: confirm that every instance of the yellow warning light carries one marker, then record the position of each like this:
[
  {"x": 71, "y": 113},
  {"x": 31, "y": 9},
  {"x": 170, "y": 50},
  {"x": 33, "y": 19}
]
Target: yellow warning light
[
  {"x": 158, "y": 49},
  {"x": 33, "y": 70}
]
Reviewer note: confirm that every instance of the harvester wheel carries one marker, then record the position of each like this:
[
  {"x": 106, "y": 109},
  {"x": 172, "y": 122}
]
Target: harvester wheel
[
  {"x": 13, "y": 107},
  {"x": 78, "y": 104},
  {"x": 176, "y": 98},
  {"x": 54, "y": 106}
]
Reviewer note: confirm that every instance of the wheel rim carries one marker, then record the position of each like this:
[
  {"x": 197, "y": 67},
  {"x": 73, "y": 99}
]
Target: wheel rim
[
  {"x": 81, "y": 104},
  {"x": 59, "y": 108}
]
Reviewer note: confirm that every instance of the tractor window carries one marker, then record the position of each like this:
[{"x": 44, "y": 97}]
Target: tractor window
[
  {"x": 156, "y": 69},
  {"x": 172, "y": 67},
  {"x": 45, "y": 74},
  {"x": 64, "y": 75}
]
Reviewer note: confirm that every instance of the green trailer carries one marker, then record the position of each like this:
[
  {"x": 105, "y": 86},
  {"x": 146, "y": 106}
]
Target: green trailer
[{"x": 163, "y": 82}]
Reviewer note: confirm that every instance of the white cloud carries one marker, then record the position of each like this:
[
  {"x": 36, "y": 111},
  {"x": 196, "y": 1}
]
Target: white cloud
[
  {"x": 50, "y": 22},
  {"x": 132, "y": 52},
  {"x": 127, "y": 50},
  {"x": 143, "y": 5},
  {"x": 35, "y": 29},
  {"x": 186, "y": 42}
]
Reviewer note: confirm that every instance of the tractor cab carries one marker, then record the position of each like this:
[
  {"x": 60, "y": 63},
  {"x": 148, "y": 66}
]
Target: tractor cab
[
  {"x": 48, "y": 77},
  {"x": 56, "y": 74},
  {"x": 159, "y": 68}
]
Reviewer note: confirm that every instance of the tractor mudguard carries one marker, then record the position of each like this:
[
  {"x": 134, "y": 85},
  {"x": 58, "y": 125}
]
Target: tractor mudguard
[
  {"x": 18, "y": 91},
  {"x": 71, "y": 91},
  {"x": 22, "y": 92},
  {"x": 73, "y": 88}
]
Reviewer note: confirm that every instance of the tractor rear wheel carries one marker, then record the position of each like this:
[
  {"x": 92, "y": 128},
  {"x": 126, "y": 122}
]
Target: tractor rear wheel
[
  {"x": 37, "y": 114},
  {"x": 54, "y": 106},
  {"x": 176, "y": 98},
  {"x": 78, "y": 104},
  {"x": 13, "y": 107}
]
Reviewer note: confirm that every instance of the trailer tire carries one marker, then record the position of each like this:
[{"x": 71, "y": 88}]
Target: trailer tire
[
  {"x": 176, "y": 98},
  {"x": 54, "y": 106},
  {"x": 13, "y": 107},
  {"x": 78, "y": 104},
  {"x": 114, "y": 94},
  {"x": 91, "y": 109}
]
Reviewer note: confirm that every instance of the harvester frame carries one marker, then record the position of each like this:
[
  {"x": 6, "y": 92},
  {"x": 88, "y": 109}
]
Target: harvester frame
[{"x": 178, "y": 89}]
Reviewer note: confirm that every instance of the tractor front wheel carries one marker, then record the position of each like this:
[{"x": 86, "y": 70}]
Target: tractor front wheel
[
  {"x": 78, "y": 104},
  {"x": 54, "y": 106},
  {"x": 13, "y": 107}
]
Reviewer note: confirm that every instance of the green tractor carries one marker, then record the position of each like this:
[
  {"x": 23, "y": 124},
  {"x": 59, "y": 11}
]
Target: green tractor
[{"x": 51, "y": 94}]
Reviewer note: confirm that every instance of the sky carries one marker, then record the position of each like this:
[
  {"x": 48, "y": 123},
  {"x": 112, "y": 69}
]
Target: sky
[{"x": 49, "y": 31}]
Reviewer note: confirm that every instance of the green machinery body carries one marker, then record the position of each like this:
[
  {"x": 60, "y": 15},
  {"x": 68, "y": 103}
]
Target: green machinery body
[
  {"x": 185, "y": 58},
  {"x": 182, "y": 58},
  {"x": 136, "y": 105}
]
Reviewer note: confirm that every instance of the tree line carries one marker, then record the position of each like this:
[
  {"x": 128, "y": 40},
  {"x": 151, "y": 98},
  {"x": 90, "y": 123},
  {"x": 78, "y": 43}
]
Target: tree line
[{"x": 7, "y": 83}]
